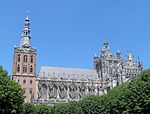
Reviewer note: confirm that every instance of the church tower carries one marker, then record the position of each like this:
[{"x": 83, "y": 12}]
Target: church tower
[{"x": 24, "y": 63}]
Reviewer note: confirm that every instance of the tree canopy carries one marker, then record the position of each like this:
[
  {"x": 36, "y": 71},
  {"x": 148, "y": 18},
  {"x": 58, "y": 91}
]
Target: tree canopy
[
  {"x": 28, "y": 108},
  {"x": 129, "y": 98},
  {"x": 11, "y": 95}
]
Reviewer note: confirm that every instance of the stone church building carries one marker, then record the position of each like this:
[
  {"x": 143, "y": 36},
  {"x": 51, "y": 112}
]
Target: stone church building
[{"x": 59, "y": 84}]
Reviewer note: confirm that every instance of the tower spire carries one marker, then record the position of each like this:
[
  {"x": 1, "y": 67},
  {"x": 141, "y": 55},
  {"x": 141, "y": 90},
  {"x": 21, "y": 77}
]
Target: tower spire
[
  {"x": 25, "y": 37},
  {"x": 129, "y": 58}
]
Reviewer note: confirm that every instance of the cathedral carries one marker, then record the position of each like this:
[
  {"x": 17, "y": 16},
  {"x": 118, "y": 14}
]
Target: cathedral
[{"x": 60, "y": 84}]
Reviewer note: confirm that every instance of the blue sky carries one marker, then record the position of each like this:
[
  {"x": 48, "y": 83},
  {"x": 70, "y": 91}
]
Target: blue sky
[{"x": 68, "y": 32}]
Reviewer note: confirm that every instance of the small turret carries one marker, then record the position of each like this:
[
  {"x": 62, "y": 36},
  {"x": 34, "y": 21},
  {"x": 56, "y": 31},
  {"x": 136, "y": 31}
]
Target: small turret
[
  {"x": 129, "y": 56},
  {"x": 105, "y": 52},
  {"x": 140, "y": 65},
  {"x": 118, "y": 53},
  {"x": 95, "y": 59},
  {"x": 139, "y": 61}
]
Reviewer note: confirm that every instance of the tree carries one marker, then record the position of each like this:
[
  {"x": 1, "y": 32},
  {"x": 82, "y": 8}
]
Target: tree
[
  {"x": 136, "y": 98},
  {"x": 28, "y": 108},
  {"x": 42, "y": 109},
  {"x": 67, "y": 108},
  {"x": 11, "y": 95},
  {"x": 74, "y": 108},
  {"x": 129, "y": 98}
]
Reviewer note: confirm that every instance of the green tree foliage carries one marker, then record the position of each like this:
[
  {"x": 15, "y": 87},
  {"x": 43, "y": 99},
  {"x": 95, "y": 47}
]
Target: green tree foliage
[
  {"x": 11, "y": 95},
  {"x": 67, "y": 108},
  {"x": 129, "y": 98},
  {"x": 42, "y": 109},
  {"x": 74, "y": 108},
  {"x": 28, "y": 108},
  {"x": 136, "y": 97}
]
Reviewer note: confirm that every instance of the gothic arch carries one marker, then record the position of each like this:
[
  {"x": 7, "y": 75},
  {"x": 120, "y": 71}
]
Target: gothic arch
[
  {"x": 53, "y": 88},
  {"x": 44, "y": 91},
  {"x": 73, "y": 91},
  {"x": 31, "y": 69},
  {"x": 31, "y": 58},
  {"x": 63, "y": 90},
  {"x": 18, "y": 58},
  {"x": 18, "y": 68},
  {"x": 82, "y": 90},
  {"x": 25, "y": 58}
]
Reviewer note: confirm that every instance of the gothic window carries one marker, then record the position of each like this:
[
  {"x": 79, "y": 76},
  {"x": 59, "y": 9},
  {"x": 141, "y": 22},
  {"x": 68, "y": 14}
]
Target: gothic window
[
  {"x": 31, "y": 58},
  {"x": 63, "y": 91},
  {"x": 25, "y": 58},
  {"x": 81, "y": 90},
  {"x": 91, "y": 90},
  {"x": 73, "y": 91},
  {"x": 31, "y": 69},
  {"x": 44, "y": 90},
  {"x": 18, "y": 68},
  {"x": 24, "y": 81},
  {"x": 25, "y": 32},
  {"x": 55, "y": 90},
  {"x": 30, "y": 81},
  {"x": 18, "y": 58},
  {"x": 30, "y": 90},
  {"x": 24, "y": 68}
]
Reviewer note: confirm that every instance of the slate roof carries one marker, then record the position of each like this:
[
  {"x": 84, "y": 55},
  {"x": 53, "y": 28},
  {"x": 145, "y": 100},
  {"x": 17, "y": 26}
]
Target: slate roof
[{"x": 68, "y": 73}]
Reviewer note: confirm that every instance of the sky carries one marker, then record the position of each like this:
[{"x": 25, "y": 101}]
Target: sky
[{"x": 68, "y": 32}]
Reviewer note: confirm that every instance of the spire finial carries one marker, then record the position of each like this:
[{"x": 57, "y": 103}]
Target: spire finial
[
  {"x": 118, "y": 51},
  {"x": 105, "y": 39},
  {"x": 138, "y": 59},
  {"x": 27, "y": 17},
  {"x": 95, "y": 55},
  {"x": 28, "y": 11}
]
